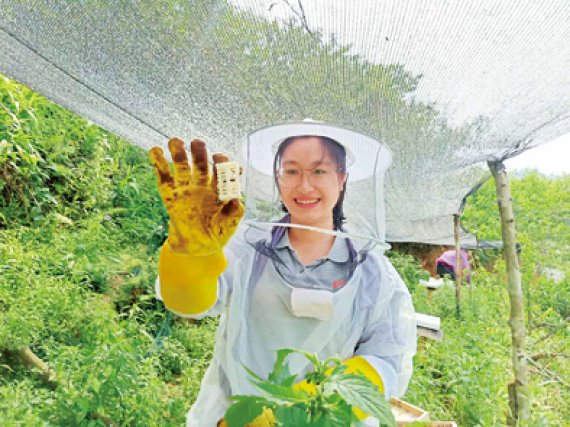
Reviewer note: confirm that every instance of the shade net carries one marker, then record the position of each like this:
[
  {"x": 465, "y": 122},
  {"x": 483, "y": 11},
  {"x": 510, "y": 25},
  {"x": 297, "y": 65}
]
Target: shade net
[{"x": 446, "y": 85}]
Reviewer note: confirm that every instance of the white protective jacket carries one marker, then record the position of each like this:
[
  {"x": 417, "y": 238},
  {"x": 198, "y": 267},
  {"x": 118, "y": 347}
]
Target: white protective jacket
[{"x": 373, "y": 318}]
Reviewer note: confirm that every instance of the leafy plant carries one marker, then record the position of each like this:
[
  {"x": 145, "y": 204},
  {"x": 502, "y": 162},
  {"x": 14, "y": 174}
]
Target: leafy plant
[
  {"x": 173, "y": 358},
  {"x": 408, "y": 267},
  {"x": 336, "y": 394}
]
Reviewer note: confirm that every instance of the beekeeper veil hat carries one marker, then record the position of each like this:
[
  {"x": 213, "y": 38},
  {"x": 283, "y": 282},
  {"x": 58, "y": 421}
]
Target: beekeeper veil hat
[{"x": 367, "y": 161}]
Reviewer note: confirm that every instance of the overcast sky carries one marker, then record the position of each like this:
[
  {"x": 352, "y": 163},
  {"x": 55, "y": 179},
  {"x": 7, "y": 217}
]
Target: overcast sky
[{"x": 550, "y": 158}]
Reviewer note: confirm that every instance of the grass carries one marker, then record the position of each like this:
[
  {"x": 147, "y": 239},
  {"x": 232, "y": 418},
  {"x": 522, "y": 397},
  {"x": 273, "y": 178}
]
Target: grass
[
  {"x": 465, "y": 377},
  {"x": 79, "y": 238},
  {"x": 59, "y": 300}
]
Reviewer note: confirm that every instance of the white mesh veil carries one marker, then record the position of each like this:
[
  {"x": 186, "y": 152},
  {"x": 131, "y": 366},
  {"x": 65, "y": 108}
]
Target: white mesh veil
[{"x": 367, "y": 162}]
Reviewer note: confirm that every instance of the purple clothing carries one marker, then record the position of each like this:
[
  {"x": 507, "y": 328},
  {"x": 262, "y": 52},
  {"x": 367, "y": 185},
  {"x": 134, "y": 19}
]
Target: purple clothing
[{"x": 449, "y": 258}]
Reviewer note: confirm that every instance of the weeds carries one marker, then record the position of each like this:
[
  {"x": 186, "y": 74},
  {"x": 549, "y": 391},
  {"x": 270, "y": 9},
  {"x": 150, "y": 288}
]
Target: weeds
[{"x": 79, "y": 237}]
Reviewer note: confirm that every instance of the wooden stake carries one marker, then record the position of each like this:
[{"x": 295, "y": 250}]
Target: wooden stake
[
  {"x": 518, "y": 389},
  {"x": 458, "y": 264}
]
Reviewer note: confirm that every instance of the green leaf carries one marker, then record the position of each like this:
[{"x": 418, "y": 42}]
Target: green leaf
[
  {"x": 292, "y": 416},
  {"x": 288, "y": 381},
  {"x": 358, "y": 391},
  {"x": 95, "y": 385},
  {"x": 336, "y": 374},
  {"x": 322, "y": 420},
  {"x": 342, "y": 415},
  {"x": 62, "y": 219},
  {"x": 253, "y": 374},
  {"x": 280, "y": 369},
  {"x": 84, "y": 405},
  {"x": 278, "y": 393},
  {"x": 243, "y": 412}
]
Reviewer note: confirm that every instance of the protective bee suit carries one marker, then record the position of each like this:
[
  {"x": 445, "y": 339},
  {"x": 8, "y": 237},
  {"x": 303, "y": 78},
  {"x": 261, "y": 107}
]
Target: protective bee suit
[{"x": 261, "y": 311}]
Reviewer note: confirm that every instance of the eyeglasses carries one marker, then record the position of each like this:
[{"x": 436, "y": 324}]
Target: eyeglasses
[{"x": 292, "y": 177}]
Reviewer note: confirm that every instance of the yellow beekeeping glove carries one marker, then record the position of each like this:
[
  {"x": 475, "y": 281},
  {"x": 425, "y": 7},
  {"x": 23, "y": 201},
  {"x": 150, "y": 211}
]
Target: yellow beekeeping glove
[
  {"x": 266, "y": 419},
  {"x": 359, "y": 365},
  {"x": 355, "y": 365},
  {"x": 191, "y": 259}
]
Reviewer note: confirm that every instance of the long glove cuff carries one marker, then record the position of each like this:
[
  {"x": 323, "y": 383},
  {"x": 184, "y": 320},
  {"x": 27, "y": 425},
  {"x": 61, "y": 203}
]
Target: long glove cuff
[
  {"x": 188, "y": 284},
  {"x": 360, "y": 365}
]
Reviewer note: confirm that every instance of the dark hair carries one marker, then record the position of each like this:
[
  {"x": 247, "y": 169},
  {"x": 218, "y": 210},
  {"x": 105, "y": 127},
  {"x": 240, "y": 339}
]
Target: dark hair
[{"x": 337, "y": 152}]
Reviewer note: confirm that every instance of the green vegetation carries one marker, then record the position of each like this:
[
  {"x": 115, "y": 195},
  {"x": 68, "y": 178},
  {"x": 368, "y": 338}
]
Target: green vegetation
[
  {"x": 465, "y": 377},
  {"x": 80, "y": 227},
  {"x": 336, "y": 393}
]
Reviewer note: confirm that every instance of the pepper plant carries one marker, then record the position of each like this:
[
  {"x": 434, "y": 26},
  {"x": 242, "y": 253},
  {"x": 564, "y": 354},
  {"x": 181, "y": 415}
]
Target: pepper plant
[{"x": 336, "y": 393}]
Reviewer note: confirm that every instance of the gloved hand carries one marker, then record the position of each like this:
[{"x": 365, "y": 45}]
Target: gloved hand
[
  {"x": 191, "y": 259},
  {"x": 355, "y": 365},
  {"x": 266, "y": 419}
]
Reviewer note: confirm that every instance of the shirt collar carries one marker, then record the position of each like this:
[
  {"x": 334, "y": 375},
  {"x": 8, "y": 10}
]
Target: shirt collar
[{"x": 339, "y": 251}]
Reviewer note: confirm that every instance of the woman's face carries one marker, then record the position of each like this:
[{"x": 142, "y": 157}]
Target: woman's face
[{"x": 311, "y": 200}]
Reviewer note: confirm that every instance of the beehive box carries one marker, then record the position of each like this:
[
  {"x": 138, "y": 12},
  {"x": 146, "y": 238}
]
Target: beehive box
[{"x": 406, "y": 413}]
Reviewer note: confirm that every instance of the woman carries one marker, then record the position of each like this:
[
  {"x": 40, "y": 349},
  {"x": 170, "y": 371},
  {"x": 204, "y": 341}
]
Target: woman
[
  {"x": 295, "y": 282},
  {"x": 447, "y": 262}
]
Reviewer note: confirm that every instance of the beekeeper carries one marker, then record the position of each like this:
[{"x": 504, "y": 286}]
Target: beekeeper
[{"x": 301, "y": 265}]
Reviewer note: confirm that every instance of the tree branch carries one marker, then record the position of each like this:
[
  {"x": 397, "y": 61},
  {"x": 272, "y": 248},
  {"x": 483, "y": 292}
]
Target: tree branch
[
  {"x": 554, "y": 331},
  {"x": 545, "y": 372},
  {"x": 543, "y": 325},
  {"x": 47, "y": 376},
  {"x": 539, "y": 356},
  {"x": 298, "y": 13},
  {"x": 27, "y": 358}
]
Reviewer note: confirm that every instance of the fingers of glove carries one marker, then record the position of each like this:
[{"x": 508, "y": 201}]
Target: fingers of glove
[
  {"x": 233, "y": 209},
  {"x": 163, "y": 173},
  {"x": 218, "y": 158},
  {"x": 180, "y": 161},
  {"x": 200, "y": 167}
]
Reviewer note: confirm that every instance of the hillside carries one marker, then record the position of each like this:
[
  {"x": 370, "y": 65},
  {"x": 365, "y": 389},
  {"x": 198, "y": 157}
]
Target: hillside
[{"x": 80, "y": 227}]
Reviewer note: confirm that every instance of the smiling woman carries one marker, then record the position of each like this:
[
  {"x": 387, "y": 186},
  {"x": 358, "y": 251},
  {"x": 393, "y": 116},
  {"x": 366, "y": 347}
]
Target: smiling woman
[
  {"x": 311, "y": 178},
  {"x": 296, "y": 281},
  {"x": 358, "y": 160}
]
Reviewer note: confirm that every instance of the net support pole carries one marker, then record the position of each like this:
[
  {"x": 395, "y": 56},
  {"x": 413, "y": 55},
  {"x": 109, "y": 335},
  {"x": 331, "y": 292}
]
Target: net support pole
[
  {"x": 518, "y": 389},
  {"x": 458, "y": 264}
]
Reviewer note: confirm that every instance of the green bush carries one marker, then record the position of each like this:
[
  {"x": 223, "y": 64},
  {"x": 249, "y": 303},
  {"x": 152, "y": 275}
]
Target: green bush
[
  {"x": 409, "y": 268},
  {"x": 553, "y": 295},
  {"x": 54, "y": 162},
  {"x": 174, "y": 359}
]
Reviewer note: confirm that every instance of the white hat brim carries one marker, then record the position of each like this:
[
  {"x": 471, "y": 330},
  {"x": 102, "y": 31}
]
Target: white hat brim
[{"x": 366, "y": 156}]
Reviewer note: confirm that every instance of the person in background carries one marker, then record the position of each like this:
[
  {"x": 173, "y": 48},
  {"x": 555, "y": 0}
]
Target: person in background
[
  {"x": 304, "y": 285},
  {"x": 447, "y": 263}
]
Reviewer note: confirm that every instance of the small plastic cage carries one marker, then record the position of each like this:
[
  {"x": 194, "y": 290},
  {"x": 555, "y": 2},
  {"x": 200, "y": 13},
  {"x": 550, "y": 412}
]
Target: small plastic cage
[{"x": 228, "y": 181}]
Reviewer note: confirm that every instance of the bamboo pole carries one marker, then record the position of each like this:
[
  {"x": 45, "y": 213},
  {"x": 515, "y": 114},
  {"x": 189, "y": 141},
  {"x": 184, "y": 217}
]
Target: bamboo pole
[
  {"x": 458, "y": 264},
  {"x": 518, "y": 389}
]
